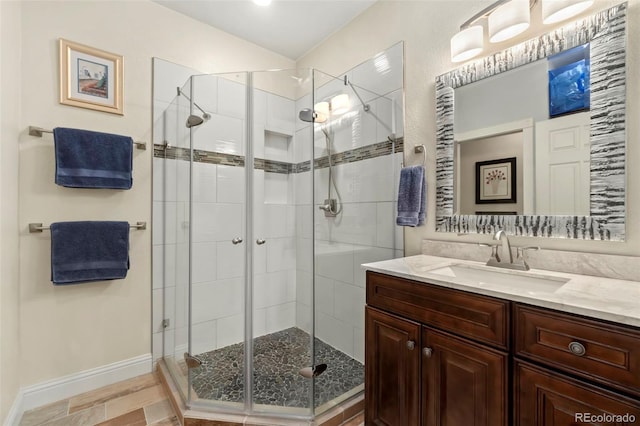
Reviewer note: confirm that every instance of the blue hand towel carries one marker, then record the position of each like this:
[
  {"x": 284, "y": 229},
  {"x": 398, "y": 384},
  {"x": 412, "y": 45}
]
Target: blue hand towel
[
  {"x": 411, "y": 196},
  {"x": 89, "y": 251},
  {"x": 86, "y": 159}
]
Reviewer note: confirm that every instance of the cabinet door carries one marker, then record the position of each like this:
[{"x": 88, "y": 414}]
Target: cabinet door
[
  {"x": 463, "y": 383},
  {"x": 392, "y": 364},
  {"x": 543, "y": 398}
]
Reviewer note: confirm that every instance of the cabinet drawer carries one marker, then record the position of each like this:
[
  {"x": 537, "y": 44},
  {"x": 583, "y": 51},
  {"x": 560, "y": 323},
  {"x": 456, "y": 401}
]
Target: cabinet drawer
[
  {"x": 551, "y": 399},
  {"x": 604, "y": 352},
  {"x": 479, "y": 318}
]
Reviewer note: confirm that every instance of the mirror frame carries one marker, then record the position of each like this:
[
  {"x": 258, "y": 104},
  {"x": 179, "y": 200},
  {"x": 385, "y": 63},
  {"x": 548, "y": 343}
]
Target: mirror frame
[{"x": 606, "y": 33}]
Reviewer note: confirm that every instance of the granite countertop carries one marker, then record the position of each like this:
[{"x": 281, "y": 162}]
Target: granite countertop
[{"x": 604, "y": 298}]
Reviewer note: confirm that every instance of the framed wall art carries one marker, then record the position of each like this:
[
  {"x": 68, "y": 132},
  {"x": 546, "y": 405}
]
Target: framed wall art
[
  {"x": 496, "y": 181},
  {"x": 90, "y": 78}
]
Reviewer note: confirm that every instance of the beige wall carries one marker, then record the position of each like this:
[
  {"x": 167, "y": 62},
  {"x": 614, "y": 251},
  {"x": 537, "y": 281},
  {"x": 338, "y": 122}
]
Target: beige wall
[
  {"x": 426, "y": 27},
  {"x": 9, "y": 130},
  {"x": 67, "y": 329}
]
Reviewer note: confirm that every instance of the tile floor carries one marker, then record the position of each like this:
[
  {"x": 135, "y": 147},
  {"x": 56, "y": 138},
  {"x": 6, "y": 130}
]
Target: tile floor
[{"x": 140, "y": 401}]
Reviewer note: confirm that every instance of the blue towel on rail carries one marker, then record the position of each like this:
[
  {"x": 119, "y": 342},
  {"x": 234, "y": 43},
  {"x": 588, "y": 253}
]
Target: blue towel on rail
[
  {"x": 89, "y": 251},
  {"x": 86, "y": 159},
  {"x": 411, "y": 196}
]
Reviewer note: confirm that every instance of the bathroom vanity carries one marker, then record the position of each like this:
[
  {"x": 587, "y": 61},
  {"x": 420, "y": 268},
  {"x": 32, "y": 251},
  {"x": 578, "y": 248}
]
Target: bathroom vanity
[{"x": 448, "y": 343}]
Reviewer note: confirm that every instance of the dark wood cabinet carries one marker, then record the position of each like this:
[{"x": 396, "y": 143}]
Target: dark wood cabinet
[
  {"x": 435, "y": 356},
  {"x": 546, "y": 398},
  {"x": 463, "y": 383},
  {"x": 392, "y": 359}
]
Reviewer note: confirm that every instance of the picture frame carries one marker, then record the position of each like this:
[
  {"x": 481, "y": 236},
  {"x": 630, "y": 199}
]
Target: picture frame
[
  {"x": 496, "y": 181},
  {"x": 90, "y": 78}
]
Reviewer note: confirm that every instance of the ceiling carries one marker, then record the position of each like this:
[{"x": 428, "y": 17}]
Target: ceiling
[{"x": 289, "y": 27}]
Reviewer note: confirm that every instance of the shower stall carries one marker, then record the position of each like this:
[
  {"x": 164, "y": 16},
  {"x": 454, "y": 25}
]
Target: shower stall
[{"x": 270, "y": 189}]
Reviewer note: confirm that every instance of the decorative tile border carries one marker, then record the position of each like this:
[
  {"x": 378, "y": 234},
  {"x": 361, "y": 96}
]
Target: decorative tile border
[
  {"x": 270, "y": 166},
  {"x": 606, "y": 31}
]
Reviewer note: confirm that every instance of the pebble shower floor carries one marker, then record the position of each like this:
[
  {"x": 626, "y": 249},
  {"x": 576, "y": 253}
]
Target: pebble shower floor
[{"x": 278, "y": 358}]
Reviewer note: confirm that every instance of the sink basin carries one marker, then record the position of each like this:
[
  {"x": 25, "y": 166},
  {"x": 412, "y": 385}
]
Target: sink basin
[{"x": 486, "y": 276}]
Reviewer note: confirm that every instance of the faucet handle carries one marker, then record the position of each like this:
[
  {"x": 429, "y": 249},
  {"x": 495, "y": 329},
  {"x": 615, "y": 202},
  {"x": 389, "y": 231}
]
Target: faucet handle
[{"x": 522, "y": 250}]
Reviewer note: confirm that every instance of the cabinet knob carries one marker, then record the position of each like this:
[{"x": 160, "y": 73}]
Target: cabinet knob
[
  {"x": 260, "y": 241},
  {"x": 411, "y": 344},
  {"x": 427, "y": 352},
  {"x": 577, "y": 348},
  {"x": 236, "y": 240}
]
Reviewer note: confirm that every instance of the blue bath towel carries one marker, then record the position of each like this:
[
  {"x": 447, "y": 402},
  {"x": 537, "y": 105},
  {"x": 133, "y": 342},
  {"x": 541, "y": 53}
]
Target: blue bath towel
[
  {"x": 411, "y": 196},
  {"x": 89, "y": 251},
  {"x": 86, "y": 159}
]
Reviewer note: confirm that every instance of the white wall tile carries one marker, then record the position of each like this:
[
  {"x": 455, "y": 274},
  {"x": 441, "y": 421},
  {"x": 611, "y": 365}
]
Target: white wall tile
[
  {"x": 182, "y": 264},
  {"x": 259, "y": 322},
  {"x": 230, "y": 259},
  {"x": 303, "y": 189},
  {"x": 324, "y": 295},
  {"x": 275, "y": 220},
  {"x": 304, "y": 282},
  {"x": 158, "y": 309},
  {"x": 182, "y": 306},
  {"x": 304, "y": 254},
  {"x": 167, "y": 76},
  {"x": 167, "y": 180},
  {"x": 205, "y": 93},
  {"x": 386, "y": 225},
  {"x": 358, "y": 344},
  {"x": 204, "y": 182},
  {"x": 357, "y": 224},
  {"x": 217, "y": 299},
  {"x": 303, "y": 317},
  {"x": 157, "y": 347},
  {"x": 231, "y": 98},
  {"x": 217, "y": 222},
  {"x": 304, "y": 221},
  {"x": 363, "y": 254},
  {"x": 349, "y": 304},
  {"x": 281, "y": 317},
  {"x": 302, "y": 144},
  {"x": 203, "y": 262},
  {"x": 230, "y": 330},
  {"x": 260, "y": 106},
  {"x": 159, "y": 182},
  {"x": 164, "y": 265},
  {"x": 203, "y": 337},
  {"x": 258, "y": 138},
  {"x": 280, "y": 114},
  {"x": 335, "y": 260},
  {"x": 281, "y": 254},
  {"x": 220, "y": 133},
  {"x": 276, "y": 188},
  {"x": 334, "y": 332},
  {"x": 231, "y": 184}
]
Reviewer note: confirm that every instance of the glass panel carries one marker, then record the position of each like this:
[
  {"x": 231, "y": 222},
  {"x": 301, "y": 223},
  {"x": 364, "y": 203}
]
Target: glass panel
[
  {"x": 358, "y": 155},
  {"x": 172, "y": 208},
  {"x": 282, "y": 256},
  {"x": 218, "y": 239}
]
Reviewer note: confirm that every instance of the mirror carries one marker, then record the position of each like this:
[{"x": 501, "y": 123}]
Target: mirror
[{"x": 493, "y": 173}]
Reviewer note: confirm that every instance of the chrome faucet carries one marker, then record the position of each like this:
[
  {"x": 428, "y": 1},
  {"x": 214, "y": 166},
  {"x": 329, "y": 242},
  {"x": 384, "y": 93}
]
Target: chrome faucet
[{"x": 504, "y": 258}]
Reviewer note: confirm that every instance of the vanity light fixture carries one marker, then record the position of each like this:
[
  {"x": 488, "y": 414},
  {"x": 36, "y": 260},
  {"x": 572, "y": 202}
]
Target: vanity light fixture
[
  {"x": 506, "y": 19},
  {"x": 558, "y": 10},
  {"x": 339, "y": 104}
]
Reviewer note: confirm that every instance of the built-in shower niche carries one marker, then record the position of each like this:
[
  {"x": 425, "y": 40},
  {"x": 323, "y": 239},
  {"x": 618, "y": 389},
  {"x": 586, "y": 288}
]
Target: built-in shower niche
[{"x": 278, "y": 158}]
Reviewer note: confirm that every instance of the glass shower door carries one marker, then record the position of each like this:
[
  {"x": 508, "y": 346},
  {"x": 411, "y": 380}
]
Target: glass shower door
[
  {"x": 281, "y": 343},
  {"x": 218, "y": 249}
]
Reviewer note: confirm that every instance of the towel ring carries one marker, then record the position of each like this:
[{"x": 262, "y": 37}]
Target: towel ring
[{"x": 419, "y": 149}]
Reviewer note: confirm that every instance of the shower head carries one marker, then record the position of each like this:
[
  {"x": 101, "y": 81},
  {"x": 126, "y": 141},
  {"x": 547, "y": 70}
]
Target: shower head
[
  {"x": 311, "y": 116},
  {"x": 307, "y": 115},
  {"x": 194, "y": 120}
]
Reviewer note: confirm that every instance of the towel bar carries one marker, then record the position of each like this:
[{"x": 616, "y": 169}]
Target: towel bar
[
  {"x": 38, "y": 227},
  {"x": 38, "y": 131}
]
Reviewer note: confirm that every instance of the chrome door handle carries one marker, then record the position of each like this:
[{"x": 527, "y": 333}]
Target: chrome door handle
[
  {"x": 260, "y": 241},
  {"x": 236, "y": 240}
]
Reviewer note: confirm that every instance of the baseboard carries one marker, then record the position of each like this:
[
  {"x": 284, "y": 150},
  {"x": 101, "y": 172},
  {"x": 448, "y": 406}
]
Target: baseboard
[{"x": 67, "y": 386}]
